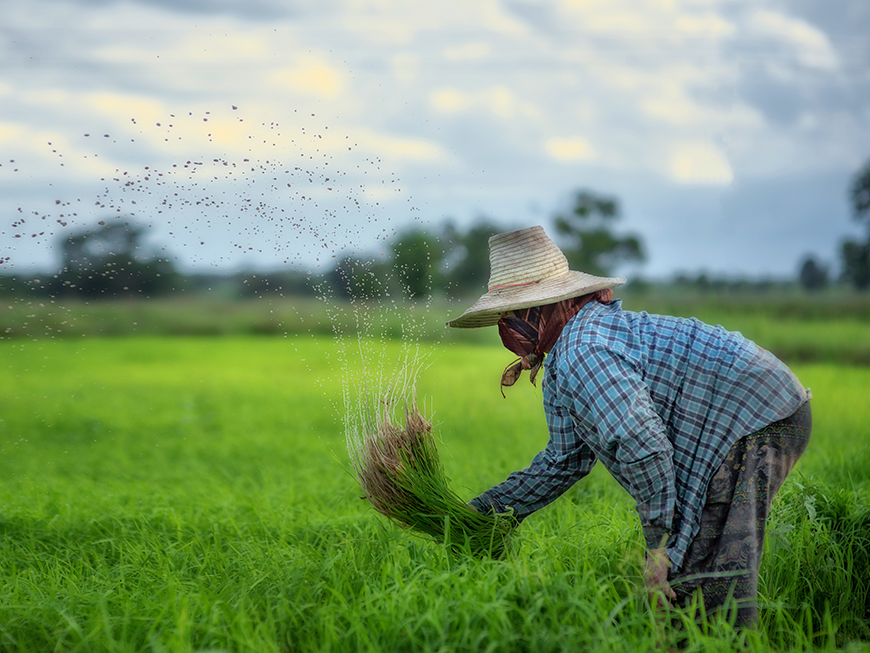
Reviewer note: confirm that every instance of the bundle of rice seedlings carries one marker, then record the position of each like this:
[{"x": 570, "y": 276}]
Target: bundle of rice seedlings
[{"x": 400, "y": 472}]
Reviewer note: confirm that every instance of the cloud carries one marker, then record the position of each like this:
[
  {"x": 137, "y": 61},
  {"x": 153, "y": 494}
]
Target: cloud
[
  {"x": 707, "y": 24},
  {"x": 699, "y": 163},
  {"x": 668, "y": 23},
  {"x": 499, "y": 101},
  {"x": 251, "y": 9},
  {"x": 311, "y": 77},
  {"x": 481, "y": 107},
  {"x": 449, "y": 100},
  {"x": 569, "y": 150},
  {"x": 43, "y": 152},
  {"x": 406, "y": 66},
  {"x": 236, "y": 47},
  {"x": 8, "y": 132},
  {"x": 124, "y": 109},
  {"x": 396, "y": 147},
  {"x": 672, "y": 98},
  {"x": 467, "y": 51},
  {"x": 809, "y": 45}
]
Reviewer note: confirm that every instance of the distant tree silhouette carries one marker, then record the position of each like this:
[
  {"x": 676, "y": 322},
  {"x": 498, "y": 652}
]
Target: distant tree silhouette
[
  {"x": 416, "y": 262},
  {"x": 467, "y": 256},
  {"x": 855, "y": 255},
  {"x": 359, "y": 278},
  {"x": 856, "y": 263},
  {"x": 587, "y": 237},
  {"x": 110, "y": 260},
  {"x": 860, "y": 194},
  {"x": 813, "y": 275}
]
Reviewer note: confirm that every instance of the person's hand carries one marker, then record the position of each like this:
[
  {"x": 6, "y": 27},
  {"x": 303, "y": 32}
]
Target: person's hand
[{"x": 655, "y": 576}]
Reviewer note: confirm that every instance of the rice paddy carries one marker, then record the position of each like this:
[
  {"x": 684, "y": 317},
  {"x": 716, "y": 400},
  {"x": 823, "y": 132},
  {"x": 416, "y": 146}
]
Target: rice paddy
[{"x": 193, "y": 494}]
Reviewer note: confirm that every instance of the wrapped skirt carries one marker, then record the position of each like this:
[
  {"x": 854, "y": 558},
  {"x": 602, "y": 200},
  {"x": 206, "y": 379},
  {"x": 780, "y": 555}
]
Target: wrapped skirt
[{"x": 722, "y": 562}]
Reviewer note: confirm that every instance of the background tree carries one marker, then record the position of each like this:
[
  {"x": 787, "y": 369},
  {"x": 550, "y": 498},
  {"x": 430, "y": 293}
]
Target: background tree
[
  {"x": 356, "y": 277},
  {"x": 294, "y": 283},
  {"x": 813, "y": 275},
  {"x": 111, "y": 260},
  {"x": 855, "y": 254},
  {"x": 856, "y": 263},
  {"x": 417, "y": 259},
  {"x": 587, "y": 237},
  {"x": 860, "y": 194},
  {"x": 467, "y": 257}
]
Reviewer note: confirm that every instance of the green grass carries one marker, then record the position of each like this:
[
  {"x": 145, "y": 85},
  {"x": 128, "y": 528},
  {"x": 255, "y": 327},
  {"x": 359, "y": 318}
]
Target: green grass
[
  {"x": 185, "y": 494},
  {"x": 833, "y": 327}
]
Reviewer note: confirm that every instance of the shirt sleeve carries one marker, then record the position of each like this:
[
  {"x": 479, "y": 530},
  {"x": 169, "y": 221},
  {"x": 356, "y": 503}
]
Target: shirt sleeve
[
  {"x": 565, "y": 460},
  {"x": 607, "y": 391}
]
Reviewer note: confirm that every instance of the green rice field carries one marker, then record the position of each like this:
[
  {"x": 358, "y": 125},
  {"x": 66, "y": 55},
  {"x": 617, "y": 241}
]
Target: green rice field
[{"x": 194, "y": 493}]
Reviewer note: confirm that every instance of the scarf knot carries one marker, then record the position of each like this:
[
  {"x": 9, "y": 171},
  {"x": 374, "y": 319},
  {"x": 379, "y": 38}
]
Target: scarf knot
[{"x": 530, "y": 333}]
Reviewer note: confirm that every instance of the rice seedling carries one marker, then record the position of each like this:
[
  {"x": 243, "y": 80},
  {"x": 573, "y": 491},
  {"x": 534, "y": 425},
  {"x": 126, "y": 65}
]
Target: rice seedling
[{"x": 400, "y": 473}]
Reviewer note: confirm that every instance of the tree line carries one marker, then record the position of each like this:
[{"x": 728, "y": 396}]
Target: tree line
[
  {"x": 455, "y": 261},
  {"x": 110, "y": 260}
]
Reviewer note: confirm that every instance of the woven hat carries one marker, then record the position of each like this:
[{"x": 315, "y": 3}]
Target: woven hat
[{"x": 527, "y": 269}]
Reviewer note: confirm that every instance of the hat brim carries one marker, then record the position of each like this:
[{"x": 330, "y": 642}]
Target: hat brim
[{"x": 487, "y": 310}]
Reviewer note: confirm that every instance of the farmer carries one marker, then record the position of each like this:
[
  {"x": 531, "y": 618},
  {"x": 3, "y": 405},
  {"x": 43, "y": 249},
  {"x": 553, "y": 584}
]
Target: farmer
[{"x": 698, "y": 424}]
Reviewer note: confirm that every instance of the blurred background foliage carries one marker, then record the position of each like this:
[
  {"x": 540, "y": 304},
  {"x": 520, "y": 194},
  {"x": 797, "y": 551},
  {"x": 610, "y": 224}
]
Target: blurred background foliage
[{"x": 112, "y": 282}]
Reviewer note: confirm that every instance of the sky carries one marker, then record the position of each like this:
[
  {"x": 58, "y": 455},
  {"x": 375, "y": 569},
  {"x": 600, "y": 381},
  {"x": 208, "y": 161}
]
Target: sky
[{"x": 257, "y": 134}]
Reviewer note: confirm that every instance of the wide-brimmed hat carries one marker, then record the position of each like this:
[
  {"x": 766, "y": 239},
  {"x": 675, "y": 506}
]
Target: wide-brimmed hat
[{"x": 527, "y": 269}]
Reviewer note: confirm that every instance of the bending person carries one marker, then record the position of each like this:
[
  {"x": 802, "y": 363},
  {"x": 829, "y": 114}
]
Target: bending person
[{"x": 700, "y": 425}]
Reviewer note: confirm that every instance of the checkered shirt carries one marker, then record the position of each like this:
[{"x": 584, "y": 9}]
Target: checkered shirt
[{"x": 659, "y": 401}]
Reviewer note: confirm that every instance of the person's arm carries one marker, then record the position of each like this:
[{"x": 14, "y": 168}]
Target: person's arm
[
  {"x": 564, "y": 461},
  {"x": 609, "y": 391},
  {"x": 612, "y": 395}
]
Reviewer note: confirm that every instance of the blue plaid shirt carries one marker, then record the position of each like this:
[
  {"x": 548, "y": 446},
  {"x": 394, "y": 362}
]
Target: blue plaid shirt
[{"x": 659, "y": 401}]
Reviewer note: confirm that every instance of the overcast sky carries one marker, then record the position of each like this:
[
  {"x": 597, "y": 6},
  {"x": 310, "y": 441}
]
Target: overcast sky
[{"x": 254, "y": 133}]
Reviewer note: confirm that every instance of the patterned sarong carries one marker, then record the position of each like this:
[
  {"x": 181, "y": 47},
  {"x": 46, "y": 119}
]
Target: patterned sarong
[{"x": 723, "y": 560}]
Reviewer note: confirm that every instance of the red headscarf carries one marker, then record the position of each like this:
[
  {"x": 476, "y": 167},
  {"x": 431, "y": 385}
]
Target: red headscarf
[{"x": 530, "y": 333}]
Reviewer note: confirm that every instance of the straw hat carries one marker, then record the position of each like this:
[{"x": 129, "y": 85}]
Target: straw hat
[{"x": 527, "y": 269}]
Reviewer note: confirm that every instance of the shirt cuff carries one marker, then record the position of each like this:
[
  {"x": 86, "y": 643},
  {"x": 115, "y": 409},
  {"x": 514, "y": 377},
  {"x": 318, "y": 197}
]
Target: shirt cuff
[
  {"x": 655, "y": 536},
  {"x": 484, "y": 504},
  {"x": 489, "y": 506}
]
